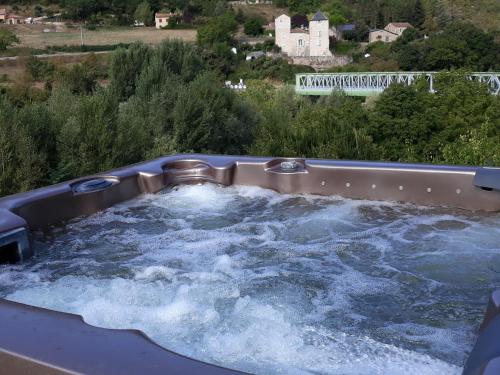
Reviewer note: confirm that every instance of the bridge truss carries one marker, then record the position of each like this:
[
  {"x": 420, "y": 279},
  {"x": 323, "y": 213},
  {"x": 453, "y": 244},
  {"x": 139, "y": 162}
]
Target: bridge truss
[{"x": 371, "y": 83}]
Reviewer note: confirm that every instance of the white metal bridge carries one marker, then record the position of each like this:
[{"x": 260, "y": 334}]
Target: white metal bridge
[{"x": 372, "y": 83}]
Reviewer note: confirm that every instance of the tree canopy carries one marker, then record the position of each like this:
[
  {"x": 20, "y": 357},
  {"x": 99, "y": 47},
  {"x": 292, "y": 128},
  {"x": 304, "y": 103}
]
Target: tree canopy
[
  {"x": 171, "y": 98},
  {"x": 7, "y": 38}
]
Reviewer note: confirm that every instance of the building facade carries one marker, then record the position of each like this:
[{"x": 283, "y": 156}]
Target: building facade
[
  {"x": 390, "y": 33},
  {"x": 10, "y": 18},
  {"x": 303, "y": 42},
  {"x": 397, "y": 27},
  {"x": 161, "y": 19}
]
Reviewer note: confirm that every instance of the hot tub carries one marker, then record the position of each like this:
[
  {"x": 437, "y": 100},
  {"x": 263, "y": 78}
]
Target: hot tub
[{"x": 218, "y": 264}]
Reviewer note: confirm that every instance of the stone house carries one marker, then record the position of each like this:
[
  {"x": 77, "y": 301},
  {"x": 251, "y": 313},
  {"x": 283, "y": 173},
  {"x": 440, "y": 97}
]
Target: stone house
[
  {"x": 14, "y": 19},
  {"x": 390, "y": 33},
  {"x": 398, "y": 27},
  {"x": 303, "y": 42},
  {"x": 10, "y": 18},
  {"x": 161, "y": 19}
]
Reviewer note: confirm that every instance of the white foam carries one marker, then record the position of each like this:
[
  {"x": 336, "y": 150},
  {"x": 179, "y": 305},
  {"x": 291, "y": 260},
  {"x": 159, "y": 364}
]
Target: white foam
[
  {"x": 247, "y": 278},
  {"x": 254, "y": 335}
]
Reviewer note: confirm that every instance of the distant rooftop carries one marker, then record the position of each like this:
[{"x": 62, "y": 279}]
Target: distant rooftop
[
  {"x": 163, "y": 15},
  {"x": 319, "y": 17},
  {"x": 346, "y": 27},
  {"x": 299, "y": 20},
  {"x": 400, "y": 24}
]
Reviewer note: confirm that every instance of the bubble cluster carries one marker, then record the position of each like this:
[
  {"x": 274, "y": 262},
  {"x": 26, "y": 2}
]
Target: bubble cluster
[{"x": 267, "y": 283}]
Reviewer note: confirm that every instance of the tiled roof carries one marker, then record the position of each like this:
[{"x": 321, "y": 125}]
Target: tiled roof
[
  {"x": 400, "y": 24},
  {"x": 163, "y": 15},
  {"x": 346, "y": 27},
  {"x": 319, "y": 17},
  {"x": 299, "y": 20},
  {"x": 384, "y": 30},
  {"x": 297, "y": 31}
]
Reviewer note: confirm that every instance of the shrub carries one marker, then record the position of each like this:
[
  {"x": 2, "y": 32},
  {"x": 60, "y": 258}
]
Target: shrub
[{"x": 253, "y": 26}]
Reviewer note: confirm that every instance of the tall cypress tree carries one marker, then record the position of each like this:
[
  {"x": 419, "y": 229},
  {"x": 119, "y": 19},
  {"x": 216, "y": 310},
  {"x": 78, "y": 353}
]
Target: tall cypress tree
[{"x": 418, "y": 18}]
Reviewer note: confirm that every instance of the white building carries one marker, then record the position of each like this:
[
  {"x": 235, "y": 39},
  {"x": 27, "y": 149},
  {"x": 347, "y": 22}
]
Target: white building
[
  {"x": 161, "y": 19},
  {"x": 390, "y": 33},
  {"x": 303, "y": 42}
]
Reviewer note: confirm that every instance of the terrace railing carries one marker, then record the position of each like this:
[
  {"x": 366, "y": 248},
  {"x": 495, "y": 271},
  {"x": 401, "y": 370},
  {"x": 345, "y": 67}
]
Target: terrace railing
[{"x": 372, "y": 83}]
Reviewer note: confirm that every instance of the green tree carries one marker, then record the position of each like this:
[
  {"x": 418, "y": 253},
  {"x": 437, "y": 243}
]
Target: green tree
[
  {"x": 459, "y": 45},
  {"x": 39, "y": 69},
  {"x": 411, "y": 124},
  {"x": 209, "y": 118},
  {"x": 304, "y": 6},
  {"x": 253, "y": 26},
  {"x": 273, "y": 136},
  {"x": 38, "y": 10},
  {"x": 27, "y": 147},
  {"x": 337, "y": 12},
  {"x": 418, "y": 16},
  {"x": 475, "y": 147},
  {"x": 144, "y": 13},
  {"x": 336, "y": 130},
  {"x": 125, "y": 67},
  {"x": 80, "y": 79},
  {"x": 7, "y": 38},
  {"x": 219, "y": 29},
  {"x": 87, "y": 137}
]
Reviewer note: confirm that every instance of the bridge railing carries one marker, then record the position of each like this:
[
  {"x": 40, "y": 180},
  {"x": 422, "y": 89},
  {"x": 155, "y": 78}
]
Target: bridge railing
[{"x": 375, "y": 82}]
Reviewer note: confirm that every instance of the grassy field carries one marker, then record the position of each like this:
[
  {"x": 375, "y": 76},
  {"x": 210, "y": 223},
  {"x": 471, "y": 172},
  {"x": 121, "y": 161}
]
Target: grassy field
[
  {"x": 33, "y": 36},
  {"x": 266, "y": 12}
]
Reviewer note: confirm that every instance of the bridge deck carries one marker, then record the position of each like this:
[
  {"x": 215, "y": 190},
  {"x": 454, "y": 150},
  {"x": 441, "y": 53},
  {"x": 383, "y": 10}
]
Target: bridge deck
[{"x": 372, "y": 83}]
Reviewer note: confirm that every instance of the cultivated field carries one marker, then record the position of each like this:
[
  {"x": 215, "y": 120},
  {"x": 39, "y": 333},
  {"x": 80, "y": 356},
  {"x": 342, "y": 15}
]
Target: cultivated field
[{"x": 33, "y": 36}]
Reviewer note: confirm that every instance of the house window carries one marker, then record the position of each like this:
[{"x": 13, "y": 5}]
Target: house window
[
  {"x": 318, "y": 42},
  {"x": 319, "y": 33},
  {"x": 301, "y": 43},
  {"x": 386, "y": 38}
]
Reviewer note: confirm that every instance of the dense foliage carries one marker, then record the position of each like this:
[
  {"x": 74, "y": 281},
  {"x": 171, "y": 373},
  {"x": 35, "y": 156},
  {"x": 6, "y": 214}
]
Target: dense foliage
[
  {"x": 459, "y": 45},
  {"x": 7, "y": 38},
  {"x": 253, "y": 26},
  {"x": 406, "y": 123},
  {"x": 160, "y": 100},
  {"x": 428, "y": 15},
  {"x": 170, "y": 99}
]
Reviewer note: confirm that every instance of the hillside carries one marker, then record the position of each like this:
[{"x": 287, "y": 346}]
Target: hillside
[{"x": 483, "y": 13}]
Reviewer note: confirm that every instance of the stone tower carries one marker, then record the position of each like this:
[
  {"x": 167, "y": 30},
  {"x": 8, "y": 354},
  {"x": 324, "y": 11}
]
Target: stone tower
[
  {"x": 319, "y": 36},
  {"x": 283, "y": 25}
]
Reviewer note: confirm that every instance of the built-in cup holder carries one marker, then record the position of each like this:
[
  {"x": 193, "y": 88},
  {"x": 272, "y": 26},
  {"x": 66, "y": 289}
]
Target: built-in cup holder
[
  {"x": 90, "y": 186},
  {"x": 286, "y": 166}
]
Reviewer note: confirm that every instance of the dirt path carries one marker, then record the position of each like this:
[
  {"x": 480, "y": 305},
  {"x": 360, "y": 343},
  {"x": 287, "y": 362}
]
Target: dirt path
[{"x": 54, "y": 55}]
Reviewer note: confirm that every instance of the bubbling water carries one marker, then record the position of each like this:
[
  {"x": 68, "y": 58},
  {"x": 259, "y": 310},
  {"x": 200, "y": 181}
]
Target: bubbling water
[{"x": 267, "y": 283}]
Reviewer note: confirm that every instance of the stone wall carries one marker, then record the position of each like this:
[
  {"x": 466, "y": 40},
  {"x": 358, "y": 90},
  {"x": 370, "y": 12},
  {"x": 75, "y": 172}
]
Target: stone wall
[{"x": 322, "y": 62}]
